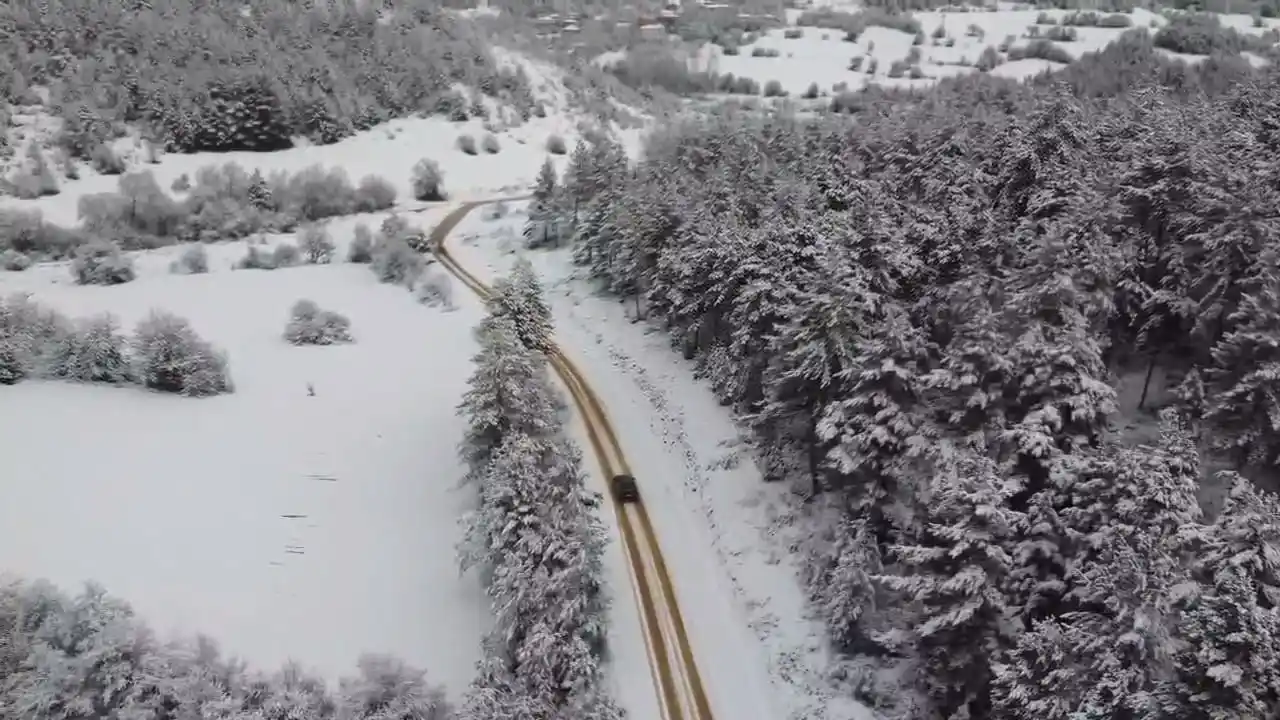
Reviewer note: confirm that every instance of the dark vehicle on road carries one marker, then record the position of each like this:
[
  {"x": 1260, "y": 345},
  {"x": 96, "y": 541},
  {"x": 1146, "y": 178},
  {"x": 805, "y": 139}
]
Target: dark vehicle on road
[{"x": 625, "y": 489}]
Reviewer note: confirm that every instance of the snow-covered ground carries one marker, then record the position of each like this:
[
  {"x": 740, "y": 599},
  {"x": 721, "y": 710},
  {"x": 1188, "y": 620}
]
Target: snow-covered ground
[
  {"x": 185, "y": 507},
  {"x": 178, "y": 505},
  {"x": 821, "y": 56},
  {"x": 724, "y": 531}
]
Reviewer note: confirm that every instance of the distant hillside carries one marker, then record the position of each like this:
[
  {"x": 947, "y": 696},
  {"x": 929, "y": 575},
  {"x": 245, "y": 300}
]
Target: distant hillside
[{"x": 222, "y": 75}]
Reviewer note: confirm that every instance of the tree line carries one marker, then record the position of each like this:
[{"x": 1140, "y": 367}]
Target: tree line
[
  {"x": 1021, "y": 341},
  {"x": 534, "y": 535}
]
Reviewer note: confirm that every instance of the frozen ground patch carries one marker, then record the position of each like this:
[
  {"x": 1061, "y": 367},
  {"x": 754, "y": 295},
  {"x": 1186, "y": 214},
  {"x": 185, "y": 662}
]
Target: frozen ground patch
[
  {"x": 280, "y": 522},
  {"x": 725, "y": 532}
]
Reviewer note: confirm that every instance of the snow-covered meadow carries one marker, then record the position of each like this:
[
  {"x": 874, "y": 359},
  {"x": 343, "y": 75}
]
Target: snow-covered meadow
[
  {"x": 311, "y": 514},
  {"x": 821, "y": 56},
  {"x": 725, "y": 533}
]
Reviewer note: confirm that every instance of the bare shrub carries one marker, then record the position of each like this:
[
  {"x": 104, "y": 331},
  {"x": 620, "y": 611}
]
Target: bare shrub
[{"x": 428, "y": 181}]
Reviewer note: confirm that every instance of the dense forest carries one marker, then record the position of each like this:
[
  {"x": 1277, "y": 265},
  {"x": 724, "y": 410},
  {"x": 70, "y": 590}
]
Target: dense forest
[
  {"x": 1020, "y": 341},
  {"x": 222, "y": 75}
]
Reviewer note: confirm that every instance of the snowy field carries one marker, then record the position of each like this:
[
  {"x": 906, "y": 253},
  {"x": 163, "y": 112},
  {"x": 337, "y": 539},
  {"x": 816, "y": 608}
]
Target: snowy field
[
  {"x": 280, "y": 523},
  {"x": 723, "y": 530},
  {"x": 821, "y": 56}
]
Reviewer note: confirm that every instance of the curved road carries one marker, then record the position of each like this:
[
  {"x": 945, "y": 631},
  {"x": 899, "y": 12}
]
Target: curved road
[{"x": 677, "y": 682}]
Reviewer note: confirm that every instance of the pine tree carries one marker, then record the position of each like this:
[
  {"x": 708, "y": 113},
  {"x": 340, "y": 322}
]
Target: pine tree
[
  {"x": 841, "y": 582},
  {"x": 1228, "y": 664},
  {"x": 881, "y": 438},
  {"x": 1244, "y": 536},
  {"x": 259, "y": 193},
  {"x": 541, "y": 228},
  {"x": 1105, "y": 660},
  {"x": 520, "y": 297},
  {"x": 954, "y": 575},
  {"x": 509, "y": 391},
  {"x": 1245, "y": 378}
]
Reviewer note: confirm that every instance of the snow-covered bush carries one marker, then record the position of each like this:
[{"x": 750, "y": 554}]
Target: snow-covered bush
[
  {"x": 13, "y": 260},
  {"x": 101, "y": 263},
  {"x": 181, "y": 184},
  {"x": 62, "y": 651},
  {"x": 467, "y": 144},
  {"x": 361, "y": 248},
  {"x": 374, "y": 194},
  {"x": 435, "y": 287},
  {"x": 556, "y": 145},
  {"x": 194, "y": 260},
  {"x": 394, "y": 227},
  {"x": 29, "y": 335},
  {"x": 428, "y": 181},
  {"x": 309, "y": 325},
  {"x": 395, "y": 262},
  {"x": 96, "y": 351},
  {"x": 286, "y": 255},
  {"x": 315, "y": 244},
  {"x": 255, "y": 258},
  {"x": 387, "y": 688},
  {"x": 490, "y": 144},
  {"x": 168, "y": 356}
]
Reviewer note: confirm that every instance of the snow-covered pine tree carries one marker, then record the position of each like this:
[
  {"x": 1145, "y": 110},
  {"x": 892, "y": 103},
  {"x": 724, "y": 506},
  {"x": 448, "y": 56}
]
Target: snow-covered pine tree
[
  {"x": 94, "y": 352},
  {"x": 541, "y": 228},
  {"x": 1244, "y": 382},
  {"x": 1105, "y": 660},
  {"x": 567, "y": 641},
  {"x": 816, "y": 341},
  {"x": 1245, "y": 535},
  {"x": 1227, "y": 665},
  {"x": 509, "y": 391},
  {"x": 259, "y": 192},
  {"x": 953, "y": 575},
  {"x": 882, "y": 443},
  {"x": 841, "y": 584},
  {"x": 520, "y": 296}
]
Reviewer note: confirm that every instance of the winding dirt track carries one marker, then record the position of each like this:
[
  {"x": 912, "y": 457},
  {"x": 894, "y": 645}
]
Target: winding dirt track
[{"x": 679, "y": 687}]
